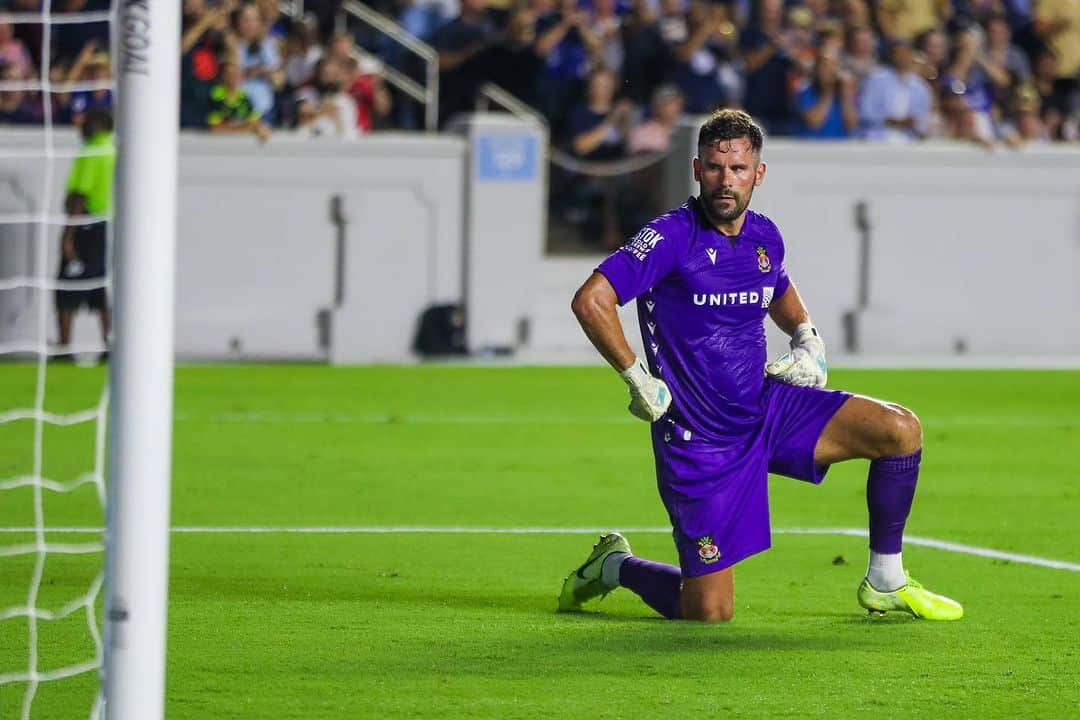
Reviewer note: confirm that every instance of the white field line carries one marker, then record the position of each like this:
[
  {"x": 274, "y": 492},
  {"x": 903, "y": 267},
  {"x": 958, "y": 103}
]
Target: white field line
[
  {"x": 384, "y": 418},
  {"x": 410, "y": 530}
]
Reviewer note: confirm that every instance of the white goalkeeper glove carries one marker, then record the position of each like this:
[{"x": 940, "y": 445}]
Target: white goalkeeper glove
[
  {"x": 649, "y": 396},
  {"x": 804, "y": 364}
]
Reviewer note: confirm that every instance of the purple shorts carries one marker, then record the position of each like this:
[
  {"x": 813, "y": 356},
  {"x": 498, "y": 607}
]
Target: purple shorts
[{"x": 716, "y": 493}]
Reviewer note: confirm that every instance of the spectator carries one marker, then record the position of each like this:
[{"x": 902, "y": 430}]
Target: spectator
[
  {"x": 606, "y": 25},
  {"x": 704, "y": 67},
  {"x": 203, "y": 42},
  {"x": 1058, "y": 102},
  {"x": 654, "y": 135},
  {"x": 907, "y": 19},
  {"x": 300, "y": 54},
  {"x": 647, "y": 59},
  {"x": 275, "y": 27},
  {"x": 566, "y": 43},
  {"x": 514, "y": 64},
  {"x": 1002, "y": 53},
  {"x": 259, "y": 61},
  {"x": 421, "y": 17},
  {"x": 364, "y": 83},
  {"x": 768, "y": 70},
  {"x": 82, "y": 247},
  {"x": 671, "y": 22},
  {"x": 18, "y": 107},
  {"x": 98, "y": 72},
  {"x": 1057, "y": 22},
  {"x": 1024, "y": 127},
  {"x": 68, "y": 39},
  {"x": 933, "y": 54},
  {"x": 958, "y": 120},
  {"x": 13, "y": 53},
  {"x": 323, "y": 108},
  {"x": 895, "y": 102},
  {"x": 231, "y": 111},
  {"x": 972, "y": 75},
  {"x": 599, "y": 126},
  {"x": 827, "y": 104},
  {"x": 598, "y": 132},
  {"x": 461, "y": 44},
  {"x": 861, "y": 58}
]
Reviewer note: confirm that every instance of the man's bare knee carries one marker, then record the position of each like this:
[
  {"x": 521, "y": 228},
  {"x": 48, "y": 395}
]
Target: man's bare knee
[{"x": 903, "y": 433}]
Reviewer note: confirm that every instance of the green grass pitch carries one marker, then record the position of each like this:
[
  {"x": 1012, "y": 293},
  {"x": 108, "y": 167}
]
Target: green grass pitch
[{"x": 462, "y": 625}]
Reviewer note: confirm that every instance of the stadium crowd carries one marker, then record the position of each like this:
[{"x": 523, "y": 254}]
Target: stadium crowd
[{"x": 611, "y": 76}]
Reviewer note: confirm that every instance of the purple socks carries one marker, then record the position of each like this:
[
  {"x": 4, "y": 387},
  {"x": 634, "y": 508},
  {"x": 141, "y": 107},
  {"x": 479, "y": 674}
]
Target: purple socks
[
  {"x": 889, "y": 492},
  {"x": 659, "y": 585}
]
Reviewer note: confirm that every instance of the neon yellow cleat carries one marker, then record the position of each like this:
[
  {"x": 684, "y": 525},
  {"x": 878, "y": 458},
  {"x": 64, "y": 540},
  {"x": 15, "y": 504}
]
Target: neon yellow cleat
[
  {"x": 911, "y": 598},
  {"x": 587, "y": 581}
]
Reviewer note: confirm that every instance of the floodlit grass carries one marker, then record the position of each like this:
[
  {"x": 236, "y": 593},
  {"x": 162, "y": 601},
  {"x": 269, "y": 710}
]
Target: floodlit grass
[{"x": 440, "y": 625}]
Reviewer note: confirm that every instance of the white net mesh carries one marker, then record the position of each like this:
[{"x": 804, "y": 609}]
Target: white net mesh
[{"x": 33, "y": 163}]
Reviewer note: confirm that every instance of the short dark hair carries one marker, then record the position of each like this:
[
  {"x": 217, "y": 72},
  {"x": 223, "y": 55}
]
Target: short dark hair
[{"x": 729, "y": 124}]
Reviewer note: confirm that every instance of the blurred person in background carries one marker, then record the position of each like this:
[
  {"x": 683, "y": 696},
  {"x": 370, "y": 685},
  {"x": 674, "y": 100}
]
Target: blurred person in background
[
  {"x": 860, "y": 56},
  {"x": 300, "y": 54},
  {"x": 82, "y": 246},
  {"x": 323, "y": 108},
  {"x": 827, "y": 103},
  {"x": 204, "y": 41},
  {"x": 606, "y": 25},
  {"x": 647, "y": 62},
  {"x": 907, "y": 19},
  {"x": 461, "y": 44},
  {"x": 1024, "y": 126},
  {"x": 69, "y": 38},
  {"x": 231, "y": 111},
  {"x": 365, "y": 85},
  {"x": 600, "y": 125},
  {"x": 275, "y": 26},
  {"x": 705, "y": 64},
  {"x": 769, "y": 70},
  {"x": 895, "y": 102},
  {"x": 932, "y": 54},
  {"x": 671, "y": 22},
  {"x": 654, "y": 134},
  {"x": 958, "y": 119},
  {"x": 1001, "y": 51},
  {"x": 13, "y": 52},
  {"x": 259, "y": 60},
  {"x": 96, "y": 70},
  {"x": 599, "y": 128},
  {"x": 975, "y": 76},
  {"x": 567, "y": 44},
  {"x": 1057, "y": 23},
  {"x": 514, "y": 64},
  {"x": 19, "y": 107},
  {"x": 1059, "y": 101}
]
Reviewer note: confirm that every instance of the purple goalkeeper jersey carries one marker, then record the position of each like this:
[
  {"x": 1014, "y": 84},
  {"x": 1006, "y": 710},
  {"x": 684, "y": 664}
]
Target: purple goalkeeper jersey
[{"x": 702, "y": 299}]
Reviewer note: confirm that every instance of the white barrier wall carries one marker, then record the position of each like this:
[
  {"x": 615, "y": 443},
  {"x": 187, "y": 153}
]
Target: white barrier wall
[
  {"x": 257, "y": 244},
  {"x": 975, "y": 255},
  {"x": 971, "y": 250}
]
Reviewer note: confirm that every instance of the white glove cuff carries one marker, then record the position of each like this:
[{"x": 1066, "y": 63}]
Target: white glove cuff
[
  {"x": 636, "y": 375},
  {"x": 803, "y": 332}
]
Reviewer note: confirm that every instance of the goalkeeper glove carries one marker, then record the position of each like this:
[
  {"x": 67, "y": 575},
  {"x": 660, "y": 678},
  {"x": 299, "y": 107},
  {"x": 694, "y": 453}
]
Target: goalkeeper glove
[
  {"x": 649, "y": 396},
  {"x": 804, "y": 364}
]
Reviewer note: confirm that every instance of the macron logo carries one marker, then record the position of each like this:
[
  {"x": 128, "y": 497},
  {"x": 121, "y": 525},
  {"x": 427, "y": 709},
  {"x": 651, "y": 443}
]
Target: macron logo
[
  {"x": 711, "y": 252},
  {"x": 643, "y": 243}
]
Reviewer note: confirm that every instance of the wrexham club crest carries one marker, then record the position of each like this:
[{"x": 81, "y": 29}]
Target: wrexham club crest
[
  {"x": 707, "y": 551},
  {"x": 763, "y": 263}
]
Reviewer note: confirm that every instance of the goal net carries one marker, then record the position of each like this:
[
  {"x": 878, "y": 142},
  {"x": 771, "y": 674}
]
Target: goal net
[{"x": 85, "y": 452}]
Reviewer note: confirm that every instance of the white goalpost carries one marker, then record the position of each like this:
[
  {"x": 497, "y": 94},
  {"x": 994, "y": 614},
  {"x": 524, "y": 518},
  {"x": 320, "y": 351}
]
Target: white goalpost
[
  {"x": 134, "y": 414},
  {"x": 146, "y": 52}
]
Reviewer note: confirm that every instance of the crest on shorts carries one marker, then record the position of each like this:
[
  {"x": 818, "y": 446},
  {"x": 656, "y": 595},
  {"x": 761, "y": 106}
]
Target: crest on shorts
[
  {"x": 763, "y": 263},
  {"x": 707, "y": 551}
]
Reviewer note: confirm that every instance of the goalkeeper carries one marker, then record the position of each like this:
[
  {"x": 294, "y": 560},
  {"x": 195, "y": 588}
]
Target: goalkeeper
[{"x": 704, "y": 276}]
